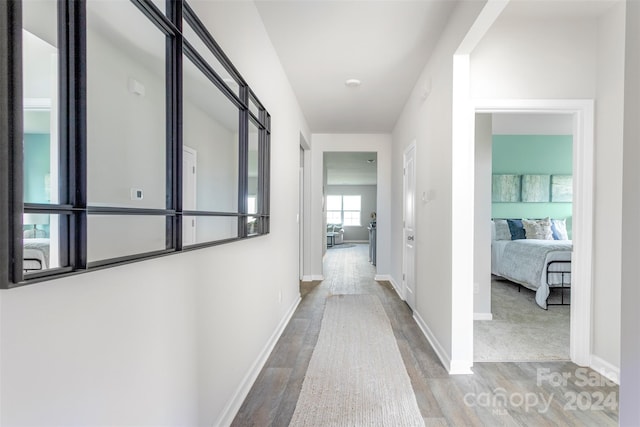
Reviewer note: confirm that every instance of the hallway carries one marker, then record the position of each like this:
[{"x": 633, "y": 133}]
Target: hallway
[{"x": 498, "y": 393}]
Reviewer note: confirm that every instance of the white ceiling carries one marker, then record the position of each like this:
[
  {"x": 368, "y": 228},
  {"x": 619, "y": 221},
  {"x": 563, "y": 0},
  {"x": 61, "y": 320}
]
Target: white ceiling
[
  {"x": 347, "y": 168},
  {"x": 383, "y": 43},
  {"x": 532, "y": 124}
]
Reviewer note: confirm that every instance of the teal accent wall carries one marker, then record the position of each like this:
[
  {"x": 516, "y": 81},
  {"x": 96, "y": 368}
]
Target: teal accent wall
[
  {"x": 532, "y": 154},
  {"x": 36, "y": 167}
]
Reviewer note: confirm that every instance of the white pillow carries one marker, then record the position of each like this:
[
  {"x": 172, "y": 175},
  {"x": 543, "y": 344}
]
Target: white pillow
[
  {"x": 560, "y": 226},
  {"x": 538, "y": 229},
  {"x": 501, "y": 230}
]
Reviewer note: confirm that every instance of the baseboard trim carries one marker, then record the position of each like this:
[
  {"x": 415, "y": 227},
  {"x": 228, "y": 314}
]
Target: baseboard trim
[
  {"x": 482, "y": 316},
  {"x": 435, "y": 344},
  {"x": 605, "y": 369},
  {"x": 312, "y": 277},
  {"x": 388, "y": 278},
  {"x": 233, "y": 406}
]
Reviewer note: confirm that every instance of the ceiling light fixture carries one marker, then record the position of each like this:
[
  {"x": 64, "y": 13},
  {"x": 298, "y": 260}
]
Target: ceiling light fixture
[{"x": 353, "y": 83}]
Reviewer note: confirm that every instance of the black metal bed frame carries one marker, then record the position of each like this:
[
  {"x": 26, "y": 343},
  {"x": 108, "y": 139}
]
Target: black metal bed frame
[{"x": 563, "y": 272}]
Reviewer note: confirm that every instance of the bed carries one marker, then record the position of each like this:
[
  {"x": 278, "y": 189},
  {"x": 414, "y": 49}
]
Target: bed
[
  {"x": 535, "y": 263},
  {"x": 35, "y": 254}
]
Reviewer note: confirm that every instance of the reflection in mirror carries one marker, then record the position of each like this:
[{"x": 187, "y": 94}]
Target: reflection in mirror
[
  {"x": 254, "y": 108},
  {"x": 41, "y": 241},
  {"x": 202, "y": 49},
  {"x": 114, "y": 236},
  {"x": 252, "y": 170},
  {"x": 210, "y": 229},
  {"x": 40, "y": 91},
  {"x": 211, "y": 129},
  {"x": 252, "y": 225},
  {"x": 126, "y": 107}
]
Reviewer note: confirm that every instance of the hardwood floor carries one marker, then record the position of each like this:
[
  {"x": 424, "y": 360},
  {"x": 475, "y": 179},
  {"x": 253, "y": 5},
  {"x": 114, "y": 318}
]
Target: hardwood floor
[{"x": 524, "y": 394}]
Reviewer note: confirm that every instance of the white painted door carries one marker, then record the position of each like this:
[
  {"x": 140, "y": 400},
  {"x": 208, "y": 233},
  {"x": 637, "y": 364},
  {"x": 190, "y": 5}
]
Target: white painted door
[
  {"x": 409, "y": 215},
  {"x": 189, "y": 157}
]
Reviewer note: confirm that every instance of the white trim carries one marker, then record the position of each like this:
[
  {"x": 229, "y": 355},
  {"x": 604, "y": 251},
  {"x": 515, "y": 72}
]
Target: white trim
[
  {"x": 390, "y": 279},
  {"x": 482, "y": 316},
  {"x": 583, "y": 190},
  {"x": 435, "y": 344},
  {"x": 233, "y": 406},
  {"x": 605, "y": 369}
]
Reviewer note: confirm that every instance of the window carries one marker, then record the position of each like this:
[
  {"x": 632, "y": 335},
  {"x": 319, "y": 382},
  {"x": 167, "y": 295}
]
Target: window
[
  {"x": 343, "y": 210},
  {"x": 122, "y": 145}
]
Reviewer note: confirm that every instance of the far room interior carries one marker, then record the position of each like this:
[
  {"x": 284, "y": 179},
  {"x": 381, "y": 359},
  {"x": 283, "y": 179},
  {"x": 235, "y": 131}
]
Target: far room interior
[
  {"x": 350, "y": 194},
  {"x": 530, "y": 202}
]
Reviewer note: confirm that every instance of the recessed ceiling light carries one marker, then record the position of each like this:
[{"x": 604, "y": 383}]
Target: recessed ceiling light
[{"x": 353, "y": 83}]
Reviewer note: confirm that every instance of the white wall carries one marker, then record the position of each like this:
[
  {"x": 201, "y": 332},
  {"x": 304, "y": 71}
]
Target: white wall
[
  {"x": 545, "y": 58},
  {"x": 169, "y": 341},
  {"x": 482, "y": 228},
  {"x": 378, "y": 143},
  {"x": 630, "y": 342},
  {"x": 429, "y": 123},
  {"x": 607, "y": 242}
]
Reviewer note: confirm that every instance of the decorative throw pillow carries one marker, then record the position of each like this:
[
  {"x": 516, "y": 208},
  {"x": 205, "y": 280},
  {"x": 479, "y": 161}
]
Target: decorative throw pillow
[
  {"x": 559, "y": 229},
  {"x": 501, "y": 230},
  {"x": 516, "y": 229},
  {"x": 539, "y": 229}
]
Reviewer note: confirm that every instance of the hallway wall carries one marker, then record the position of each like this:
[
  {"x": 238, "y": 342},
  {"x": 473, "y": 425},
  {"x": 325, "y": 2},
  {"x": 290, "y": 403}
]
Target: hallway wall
[
  {"x": 630, "y": 339},
  {"x": 428, "y": 121},
  {"x": 174, "y": 340},
  {"x": 519, "y": 58}
]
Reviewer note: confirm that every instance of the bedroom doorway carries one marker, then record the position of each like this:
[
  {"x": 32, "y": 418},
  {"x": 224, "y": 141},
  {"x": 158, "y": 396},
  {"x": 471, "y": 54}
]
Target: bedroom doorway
[
  {"x": 578, "y": 117},
  {"x": 521, "y": 159}
]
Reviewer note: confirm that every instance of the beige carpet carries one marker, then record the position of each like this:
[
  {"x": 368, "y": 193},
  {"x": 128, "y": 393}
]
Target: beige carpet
[
  {"x": 520, "y": 330},
  {"x": 356, "y": 376}
]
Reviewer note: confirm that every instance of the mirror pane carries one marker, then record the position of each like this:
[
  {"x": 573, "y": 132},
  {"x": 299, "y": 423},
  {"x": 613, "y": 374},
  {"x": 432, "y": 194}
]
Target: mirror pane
[
  {"x": 197, "y": 43},
  {"x": 252, "y": 170},
  {"x": 126, "y": 107},
  {"x": 202, "y": 229},
  {"x": 40, "y": 92},
  {"x": 113, "y": 236},
  {"x": 41, "y": 241},
  {"x": 210, "y": 135}
]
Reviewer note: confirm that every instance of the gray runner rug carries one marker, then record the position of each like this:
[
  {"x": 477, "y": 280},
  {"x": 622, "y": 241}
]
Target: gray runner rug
[{"x": 356, "y": 376}]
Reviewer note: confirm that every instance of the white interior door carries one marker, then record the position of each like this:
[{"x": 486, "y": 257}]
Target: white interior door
[
  {"x": 189, "y": 160},
  {"x": 409, "y": 214}
]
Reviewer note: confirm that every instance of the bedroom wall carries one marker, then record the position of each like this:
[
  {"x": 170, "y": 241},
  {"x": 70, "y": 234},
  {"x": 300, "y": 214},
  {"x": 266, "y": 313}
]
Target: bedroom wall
[
  {"x": 36, "y": 167},
  {"x": 482, "y": 217},
  {"x": 174, "y": 340},
  {"x": 519, "y": 58},
  {"x": 368, "y": 205},
  {"x": 532, "y": 154}
]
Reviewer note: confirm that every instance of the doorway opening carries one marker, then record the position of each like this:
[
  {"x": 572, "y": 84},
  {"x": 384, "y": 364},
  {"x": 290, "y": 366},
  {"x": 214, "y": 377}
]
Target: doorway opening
[
  {"x": 524, "y": 168},
  {"x": 582, "y": 116},
  {"x": 350, "y": 181}
]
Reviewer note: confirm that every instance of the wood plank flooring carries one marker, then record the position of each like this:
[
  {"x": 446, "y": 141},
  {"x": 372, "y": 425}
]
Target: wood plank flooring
[{"x": 509, "y": 394}]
